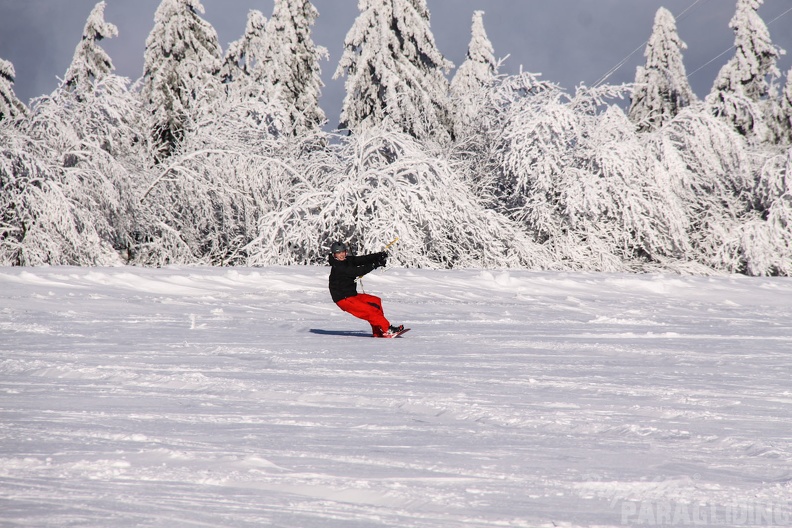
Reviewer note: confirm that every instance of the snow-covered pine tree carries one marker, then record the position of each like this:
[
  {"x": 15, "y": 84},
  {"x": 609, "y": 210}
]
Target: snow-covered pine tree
[
  {"x": 244, "y": 73},
  {"x": 10, "y": 105},
  {"x": 742, "y": 85},
  {"x": 661, "y": 85},
  {"x": 182, "y": 62},
  {"x": 395, "y": 73},
  {"x": 204, "y": 206},
  {"x": 72, "y": 190},
  {"x": 244, "y": 60},
  {"x": 90, "y": 62},
  {"x": 480, "y": 67},
  {"x": 291, "y": 68},
  {"x": 477, "y": 73}
]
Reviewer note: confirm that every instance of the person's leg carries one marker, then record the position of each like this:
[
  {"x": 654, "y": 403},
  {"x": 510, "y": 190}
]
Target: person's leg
[{"x": 367, "y": 307}]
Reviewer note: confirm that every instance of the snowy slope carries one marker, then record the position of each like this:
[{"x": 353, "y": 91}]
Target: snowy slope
[{"x": 243, "y": 397}]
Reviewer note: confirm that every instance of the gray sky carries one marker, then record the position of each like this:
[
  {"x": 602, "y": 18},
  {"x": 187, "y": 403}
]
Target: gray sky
[{"x": 568, "y": 41}]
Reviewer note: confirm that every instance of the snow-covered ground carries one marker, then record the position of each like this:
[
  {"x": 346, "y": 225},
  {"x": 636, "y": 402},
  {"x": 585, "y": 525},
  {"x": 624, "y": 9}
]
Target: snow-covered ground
[{"x": 244, "y": 398}]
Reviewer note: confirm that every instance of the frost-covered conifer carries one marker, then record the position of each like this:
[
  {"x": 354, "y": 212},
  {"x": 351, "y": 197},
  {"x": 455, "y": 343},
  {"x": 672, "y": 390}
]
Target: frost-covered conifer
[
  {"x": 182, "y": 60},
  {"x": 661, "y": 85},
  {"x": 292, "y": 63},
  {"x": 480, "y": 67},
  {"x": 72, "y": 205},
  {"x": 247, "y": 83},
  {"x": 10, "y": 105},
  {"x": 395, "y": 73},
  {"x": 243, "y": 66},
  {"x": 744, "y": 81},
  {"x": 90, "y": 62},
  {"x": 477, "y": 73}
]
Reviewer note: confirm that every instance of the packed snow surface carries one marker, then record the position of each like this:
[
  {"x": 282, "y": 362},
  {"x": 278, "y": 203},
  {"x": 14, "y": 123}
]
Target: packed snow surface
[{"x": 244, "y": 397}]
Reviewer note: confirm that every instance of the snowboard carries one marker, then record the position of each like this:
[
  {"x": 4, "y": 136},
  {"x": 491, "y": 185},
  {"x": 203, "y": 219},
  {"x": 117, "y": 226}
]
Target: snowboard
[{"x": 396, "y": 334}]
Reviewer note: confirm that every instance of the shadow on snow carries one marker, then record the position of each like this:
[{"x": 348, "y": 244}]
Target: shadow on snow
[{"x": 348, "y": 333}]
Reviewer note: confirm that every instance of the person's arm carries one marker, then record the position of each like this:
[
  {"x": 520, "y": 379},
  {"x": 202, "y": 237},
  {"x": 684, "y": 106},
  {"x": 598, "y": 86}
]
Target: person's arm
[
  {"x": 362, "y": 264},
  {"x": 372, "y": 258}
]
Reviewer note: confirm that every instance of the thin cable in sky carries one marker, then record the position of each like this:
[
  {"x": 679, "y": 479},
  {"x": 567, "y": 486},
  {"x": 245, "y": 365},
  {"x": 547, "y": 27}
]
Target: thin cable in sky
[
  {"x": 625, "y": 59},
  {"x": 681, "y": 16},
  {"x": 724, "y": 52},
  {"x": 779, "y": 16},
  {"x": 713, "y": 59}
]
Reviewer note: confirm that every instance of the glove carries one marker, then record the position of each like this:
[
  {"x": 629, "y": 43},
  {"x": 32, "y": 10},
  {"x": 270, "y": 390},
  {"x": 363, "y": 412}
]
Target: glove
[{"x": 382, "y": 259}]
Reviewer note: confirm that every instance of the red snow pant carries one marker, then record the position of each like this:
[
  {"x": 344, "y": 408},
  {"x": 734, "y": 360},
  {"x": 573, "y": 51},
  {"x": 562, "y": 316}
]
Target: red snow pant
[{"x": 368, "y": 307}]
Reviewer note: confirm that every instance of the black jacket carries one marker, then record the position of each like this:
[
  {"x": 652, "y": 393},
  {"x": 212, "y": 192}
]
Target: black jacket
[{"x": 344, "y": 272}]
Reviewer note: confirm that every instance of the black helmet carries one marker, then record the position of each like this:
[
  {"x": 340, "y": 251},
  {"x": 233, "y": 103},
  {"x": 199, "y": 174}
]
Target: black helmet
[{"x": 337, "y": 247}]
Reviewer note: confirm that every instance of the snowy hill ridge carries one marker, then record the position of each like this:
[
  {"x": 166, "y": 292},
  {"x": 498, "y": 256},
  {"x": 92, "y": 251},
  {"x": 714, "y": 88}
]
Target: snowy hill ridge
[{"x": 191, "y": 396}]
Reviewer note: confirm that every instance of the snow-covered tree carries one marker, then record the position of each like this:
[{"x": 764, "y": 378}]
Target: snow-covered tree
[
  {"x": 767, "y": 241},
  {"x": 707, "y": 166},
  {"x": 245, "y": 74},
  {"x": 744, "y": 82},
  {"x": 10, "y": 105},
  {"x": 480, "y": 67},
  {"x": 243, "y": 66},
  {"x": 181, "y": 65},
  {"x": 92, "y": 143},
  {"x": 67, "y": 174},
  {"x": 477, "y": 73},
  {"x": 661, "y": 85},
  {"x": 581, "y": 183},
  {"x": 90, "y": 62},
  {"x": 204, "y": 203},
  {"x": 40, "y": 223},
  {"x": 395, "y": 73},
  {"x": 379, "y": 185},
  {"x": 291, "y": 68}
]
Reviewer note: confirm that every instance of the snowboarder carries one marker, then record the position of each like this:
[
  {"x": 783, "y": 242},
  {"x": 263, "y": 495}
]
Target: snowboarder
[{"x": 344, "y": 270}]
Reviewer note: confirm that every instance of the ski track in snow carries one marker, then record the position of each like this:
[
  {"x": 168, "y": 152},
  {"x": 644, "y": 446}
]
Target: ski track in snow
[{"x": 243, "y": 397}]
